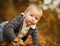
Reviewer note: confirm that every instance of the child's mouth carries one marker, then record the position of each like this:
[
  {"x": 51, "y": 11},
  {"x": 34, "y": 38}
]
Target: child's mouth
[{"x": 31, "y": 23}]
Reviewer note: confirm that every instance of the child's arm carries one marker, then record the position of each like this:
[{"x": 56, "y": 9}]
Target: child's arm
[
  {"x": 8, "y": 33},
  {"x": 35, "y": 37}
]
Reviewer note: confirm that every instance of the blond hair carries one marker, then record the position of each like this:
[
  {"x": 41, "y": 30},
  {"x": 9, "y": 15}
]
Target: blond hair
[{"x": 34, "y": 6}]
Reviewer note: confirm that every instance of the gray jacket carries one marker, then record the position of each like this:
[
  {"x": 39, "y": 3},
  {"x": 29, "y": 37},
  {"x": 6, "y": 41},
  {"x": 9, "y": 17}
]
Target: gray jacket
[{"x": 13, "y": 27}]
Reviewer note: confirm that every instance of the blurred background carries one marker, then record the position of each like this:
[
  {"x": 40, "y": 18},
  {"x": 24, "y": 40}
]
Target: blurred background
[{"x": 49, "y": 24}]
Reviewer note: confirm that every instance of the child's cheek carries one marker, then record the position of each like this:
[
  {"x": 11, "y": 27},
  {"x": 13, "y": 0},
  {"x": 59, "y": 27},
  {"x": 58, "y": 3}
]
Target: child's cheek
[
  {"x": 29, "y": 17},
  {"x": 36, "y": 21}
]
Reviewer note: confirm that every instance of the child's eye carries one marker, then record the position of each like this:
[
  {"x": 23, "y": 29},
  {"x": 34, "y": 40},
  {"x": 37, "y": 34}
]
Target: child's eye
[
  {"x": 36, "y": 18},
  {"x": 31, "y": 15}
]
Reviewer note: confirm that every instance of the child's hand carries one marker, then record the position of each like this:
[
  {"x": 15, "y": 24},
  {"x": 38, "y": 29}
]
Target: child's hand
[
  {"x": 21, "y": 42},
  {"x": 15, "y": 40}
]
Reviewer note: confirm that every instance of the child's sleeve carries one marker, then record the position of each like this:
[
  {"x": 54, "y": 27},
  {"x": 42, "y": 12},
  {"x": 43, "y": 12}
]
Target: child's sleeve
[
  {"x": 8, "y": 33},
  {"x": 35, "y": 37}
]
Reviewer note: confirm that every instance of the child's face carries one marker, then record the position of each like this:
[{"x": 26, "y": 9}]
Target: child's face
[{"x": 32, "y": 16}]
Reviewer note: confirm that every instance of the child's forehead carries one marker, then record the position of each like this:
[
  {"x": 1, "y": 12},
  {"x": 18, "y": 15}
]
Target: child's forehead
[
  {"x": 35, "y": 8},
  {"x": 35, "y": 11}
]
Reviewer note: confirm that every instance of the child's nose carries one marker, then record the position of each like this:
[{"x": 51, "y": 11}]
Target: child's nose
[{"x": 33, "y": 19}]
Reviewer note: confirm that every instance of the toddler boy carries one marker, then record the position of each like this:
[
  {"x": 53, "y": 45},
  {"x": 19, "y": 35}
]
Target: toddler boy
[{"x": 24, "y": 25}]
